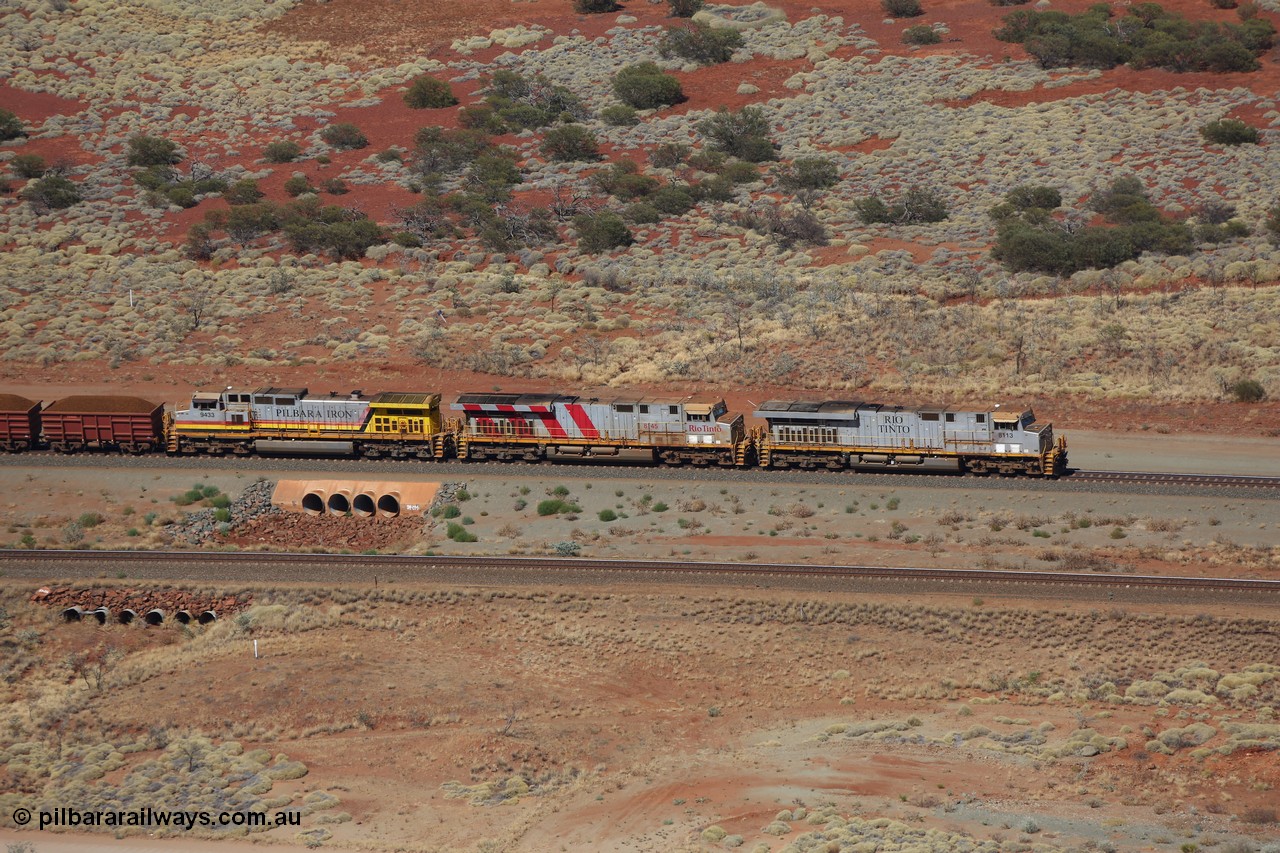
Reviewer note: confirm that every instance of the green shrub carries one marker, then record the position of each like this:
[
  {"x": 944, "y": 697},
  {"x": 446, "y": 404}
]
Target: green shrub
[
  {"x": 285, "y": 151},
  {"x": 645, "y": 86},
  {"x": 671, "y": 199},
  {"x": 608, "y": 515},
  {"x": 52, "y": 192},
  {"x": 334, "y": 186},
  {"x": 1247, "y": 391},
  {"x": 407, "y": 239},
  {"x": 743, "y": 134},
  {"x": 1027, "y": 238},
  {"x": 1230, "y": 131},
  {"x": 297, "y": 185},
  {"x": 642, "y": 213},
  {"x": 916, "y": 205},
  {"x": 555, "y": 506},
  {"x": 143, "y": 150},
  {"x": 570, "y": 142},
  {"x": 28, "y": 165},
  {"x": 426, "y": 92},
  {"x": 220, "y": 501},
  {"x": 589, "y": 7},
  {"x": 1145, "y": 37},
  {"x": 89, "y": 520},
  {"x": 685, "y": 8},
  {"x": 600, "y": 232},
  {"x": 668, "y": 155},
  {"x": 659, "y": 507},
  {"x": 698, "y": 42},
  {"x": 390, "y": 155},
  {"x": 809, "y": 173},
  {"x": 567, "y": 549},
  {"x": 458, "y": 533},
  {"x": 10, "y": 126},
  {"x": 620, "y": 115},
  {"x": 920, "y": 34},
  {"x": 902, "y": 8},
  {"x": 450, "y": 511},
  {"x": 243, "y": 192},
  {"x": 222, "y": 514},
  {"x": 344, "y": 136}
]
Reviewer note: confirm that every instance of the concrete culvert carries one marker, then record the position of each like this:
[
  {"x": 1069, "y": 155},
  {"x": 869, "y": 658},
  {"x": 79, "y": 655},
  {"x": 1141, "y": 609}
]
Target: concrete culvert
[
  {"x": 313, "y": 503},
  {"x": 102, "y": 614},
  {"x": 363, "y": 505},
  {"x": 339, "y": 503},
  {"x": 127, "y": 616},
  {"x": 73, "y": 614},
  {"x": 154, "y": 617},
  {"x": 183, "y": 616},
  {"x": 389, "y": 506},
  {"x": 207, "y": 617}
]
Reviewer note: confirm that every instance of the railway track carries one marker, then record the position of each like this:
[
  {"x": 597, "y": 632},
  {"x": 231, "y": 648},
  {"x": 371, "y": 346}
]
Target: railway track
[
  {"x": 928, "y": 477},
  {"x": 270, "y": 565},
  {"x": 1146, "y": 477}
]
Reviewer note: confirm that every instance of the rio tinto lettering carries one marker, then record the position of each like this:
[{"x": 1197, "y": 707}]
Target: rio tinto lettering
[{"x": 894, "y": 425}]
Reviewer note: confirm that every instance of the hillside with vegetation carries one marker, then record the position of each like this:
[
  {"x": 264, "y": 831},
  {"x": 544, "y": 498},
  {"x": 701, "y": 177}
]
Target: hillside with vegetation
[{"x": 908, "y": 199}]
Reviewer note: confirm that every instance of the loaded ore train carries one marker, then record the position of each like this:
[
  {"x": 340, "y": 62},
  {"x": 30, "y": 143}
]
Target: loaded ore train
[{"x": 831, "y": 434}]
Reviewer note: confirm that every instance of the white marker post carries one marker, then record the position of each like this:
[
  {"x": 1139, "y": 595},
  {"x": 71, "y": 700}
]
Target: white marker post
[{"x": 255, "y": 649}]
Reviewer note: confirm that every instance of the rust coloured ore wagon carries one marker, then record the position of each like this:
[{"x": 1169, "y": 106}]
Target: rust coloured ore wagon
[
  {"x": 19, "y": 423},
  {"x": 127, "y": 424}
]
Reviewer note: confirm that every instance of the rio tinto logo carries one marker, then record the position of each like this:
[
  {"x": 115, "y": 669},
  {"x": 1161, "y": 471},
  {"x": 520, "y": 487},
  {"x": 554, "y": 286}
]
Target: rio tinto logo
[{"x": 705, "y": 429}]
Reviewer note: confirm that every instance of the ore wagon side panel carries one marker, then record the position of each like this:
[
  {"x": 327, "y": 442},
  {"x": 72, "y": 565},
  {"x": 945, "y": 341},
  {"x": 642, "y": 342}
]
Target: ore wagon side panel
[
  {"x": 103, "y": 423},
  {"x": 19, "y": 423}
]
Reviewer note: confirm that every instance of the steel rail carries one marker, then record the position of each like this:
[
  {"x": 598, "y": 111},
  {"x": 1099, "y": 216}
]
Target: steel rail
[
  {"x": 667, "y": 567},
  {"x": 1176, "y": 478}
]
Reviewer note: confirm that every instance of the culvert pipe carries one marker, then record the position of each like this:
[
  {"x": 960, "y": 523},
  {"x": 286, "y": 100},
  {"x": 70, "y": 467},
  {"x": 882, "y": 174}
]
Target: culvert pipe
[
  {"x": 102, "y": 614},
  {"x": 73, "y": 614},
  {"x": 183, "y": 616},
  {"x": 313, "y": 503},
  {"x": 389, "y": 505},
  {"x": 207, "y": 617},
  {"x": 340, "y": 502},
  {"x": 154, "y": 617},
  {"x": 364, "y": 505},
  {"x": 127, "y": 616}
]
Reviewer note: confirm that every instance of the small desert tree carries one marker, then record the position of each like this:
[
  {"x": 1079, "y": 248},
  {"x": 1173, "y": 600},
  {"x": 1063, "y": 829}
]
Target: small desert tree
[
  {"x": 1247, "y": 391},
  {"x": 809, "y": 173},
  {"x": 344, "y": 136},
  {"x": 146, "y": 150},
  {"x": 1230, "y": 131},
  {"x": 284, "y": 151},
  {"x": 570, "y": 142},
  {"x": 600, "y": 232},
  {"x": 700, "y": 43},
  {"x": 588, "y": 7},
  {"x": 52, "y": 192},
  {"x": 685, "y": 8},
  {"x": 426, "y": 92},
  {"x": 645, "y": 86},
  {"x": 743, "y": 134},
  {"x": 10, "y": 126}
]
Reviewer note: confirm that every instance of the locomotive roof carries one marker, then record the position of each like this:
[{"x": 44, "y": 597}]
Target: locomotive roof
[
  {"x": 700, "y": 401},
  {"x": 814, "y": 406},
  {"x": 400, "y": 398}
]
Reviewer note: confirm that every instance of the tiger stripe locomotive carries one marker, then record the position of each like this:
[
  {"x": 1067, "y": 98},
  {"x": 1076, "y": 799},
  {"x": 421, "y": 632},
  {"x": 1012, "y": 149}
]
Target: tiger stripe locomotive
[
  {"x": 533, "y": 426},
  {"x": 700, "y": 431}
]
